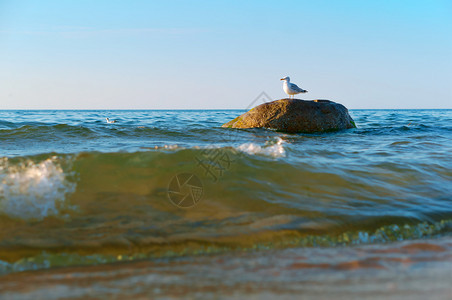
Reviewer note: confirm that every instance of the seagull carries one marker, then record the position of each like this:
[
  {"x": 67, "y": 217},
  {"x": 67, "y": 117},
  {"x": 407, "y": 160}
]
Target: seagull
[
  {"x": 110, "y": 121},
  {"x": 291, "y": 89}
]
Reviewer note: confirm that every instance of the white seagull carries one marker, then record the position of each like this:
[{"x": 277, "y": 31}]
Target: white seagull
[
  {"x": 110, "y": 121},
  {"x": 291, "y": 89}
]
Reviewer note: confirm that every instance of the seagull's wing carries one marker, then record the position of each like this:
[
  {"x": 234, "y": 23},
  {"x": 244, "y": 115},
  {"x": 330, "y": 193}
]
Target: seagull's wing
[{"x": 295, "y": 87}]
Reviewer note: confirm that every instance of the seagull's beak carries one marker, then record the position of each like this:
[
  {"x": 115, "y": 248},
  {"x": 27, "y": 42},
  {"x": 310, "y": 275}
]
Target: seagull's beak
[{"x": 282, "y": 79}]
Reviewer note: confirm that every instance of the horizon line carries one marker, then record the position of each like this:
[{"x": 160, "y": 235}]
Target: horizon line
[{"x": 193, "y": 109}]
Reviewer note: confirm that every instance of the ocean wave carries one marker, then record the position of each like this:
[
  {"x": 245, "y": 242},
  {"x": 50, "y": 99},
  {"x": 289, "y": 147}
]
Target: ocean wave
[
  {"x": 35, "y": 186},
  {"x": 77, "y": 133},
  {"x": 273, "y": 148},
  {"x": 33, "y": 190},
  {"x": 252, "y": 194},
  {"x": 45, "y": 132}
]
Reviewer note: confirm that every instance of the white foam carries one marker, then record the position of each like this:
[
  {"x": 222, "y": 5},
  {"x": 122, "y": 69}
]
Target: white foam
[
  {"x": 32, "y": 190},
  {"x": 273, "y": 148}
]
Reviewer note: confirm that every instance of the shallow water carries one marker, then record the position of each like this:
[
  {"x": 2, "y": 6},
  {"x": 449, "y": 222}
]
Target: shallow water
[
  {"x": 75, "y": 190},
  {"x": 401, "y": 270}
]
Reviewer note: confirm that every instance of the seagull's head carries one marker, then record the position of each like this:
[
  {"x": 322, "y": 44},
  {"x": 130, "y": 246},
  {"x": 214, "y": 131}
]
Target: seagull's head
[{"x": 287, "y": 78}]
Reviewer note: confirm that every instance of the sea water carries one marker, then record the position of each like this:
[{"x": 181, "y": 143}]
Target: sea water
[{"x": 171, "y": 185}]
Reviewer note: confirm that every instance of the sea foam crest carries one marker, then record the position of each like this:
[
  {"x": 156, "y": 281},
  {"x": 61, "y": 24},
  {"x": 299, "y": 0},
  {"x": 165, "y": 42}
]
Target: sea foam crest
[
  {"x": 31, "y": 190},
  {"x": 273, "y": 148}
]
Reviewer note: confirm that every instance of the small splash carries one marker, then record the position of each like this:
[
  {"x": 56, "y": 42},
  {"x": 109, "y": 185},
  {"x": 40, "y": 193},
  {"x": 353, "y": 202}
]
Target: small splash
[
  {"x": 31, "y": 190},
  {"x": 273, "y": 148},
  {"x": 164, "y": 147}
]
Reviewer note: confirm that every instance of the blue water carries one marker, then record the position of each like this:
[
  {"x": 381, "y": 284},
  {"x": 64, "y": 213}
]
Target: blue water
[{"x": 73, "y": 185}]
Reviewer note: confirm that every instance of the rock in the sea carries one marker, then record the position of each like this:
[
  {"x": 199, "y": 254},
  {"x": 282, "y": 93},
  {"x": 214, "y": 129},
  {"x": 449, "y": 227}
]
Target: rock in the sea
[{"x": 293, "y": 115}]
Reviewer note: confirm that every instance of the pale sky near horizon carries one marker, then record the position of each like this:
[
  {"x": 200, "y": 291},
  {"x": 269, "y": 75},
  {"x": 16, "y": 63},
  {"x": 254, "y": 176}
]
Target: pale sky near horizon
[{"x": 223, "y": 54}]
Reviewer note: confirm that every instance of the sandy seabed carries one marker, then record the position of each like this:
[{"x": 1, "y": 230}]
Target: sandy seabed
[{"x": 419, "y": 269}]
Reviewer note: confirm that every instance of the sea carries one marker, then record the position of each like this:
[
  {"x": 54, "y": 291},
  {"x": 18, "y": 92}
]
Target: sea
[{"x": 167, "y": 204}]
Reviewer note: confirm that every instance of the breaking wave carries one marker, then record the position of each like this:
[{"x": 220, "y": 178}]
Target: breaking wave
[{"x": 30, "y": 190}]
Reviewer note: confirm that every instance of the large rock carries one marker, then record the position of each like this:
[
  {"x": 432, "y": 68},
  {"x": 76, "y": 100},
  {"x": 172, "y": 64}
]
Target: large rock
[{"x": 293, "y": 115}]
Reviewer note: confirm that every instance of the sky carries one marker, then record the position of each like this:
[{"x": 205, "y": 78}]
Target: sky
[{"x": 223, "y": 54}]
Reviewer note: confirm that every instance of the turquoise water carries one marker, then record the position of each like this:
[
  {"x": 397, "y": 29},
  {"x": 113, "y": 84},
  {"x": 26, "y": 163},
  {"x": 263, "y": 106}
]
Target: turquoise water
[{"x": 75, "y": 189}]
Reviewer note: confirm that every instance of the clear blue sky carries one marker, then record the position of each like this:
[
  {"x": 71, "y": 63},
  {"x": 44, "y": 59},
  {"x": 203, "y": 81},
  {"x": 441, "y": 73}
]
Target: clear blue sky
[{"x": 222, "y": 54}]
